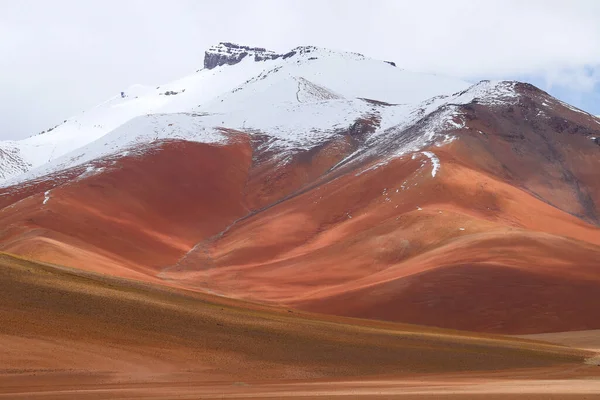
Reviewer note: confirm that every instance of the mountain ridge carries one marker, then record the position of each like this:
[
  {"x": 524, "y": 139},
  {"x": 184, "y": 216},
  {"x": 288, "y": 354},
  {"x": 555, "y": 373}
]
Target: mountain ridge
[
  {"x": 330, "y": 182},
  {"x": 280, "y": 79}
]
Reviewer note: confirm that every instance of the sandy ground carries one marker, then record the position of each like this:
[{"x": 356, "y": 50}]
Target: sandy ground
[
  {"x": 431, "y": 388},
  {"x": 589, "y": 339},
  {"x": 69, "y": 334}
]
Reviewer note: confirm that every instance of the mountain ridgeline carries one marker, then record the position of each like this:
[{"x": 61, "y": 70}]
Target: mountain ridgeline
[{"x": 328, "y": 182}]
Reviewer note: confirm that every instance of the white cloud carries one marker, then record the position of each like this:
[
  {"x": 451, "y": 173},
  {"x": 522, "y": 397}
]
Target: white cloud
[
  {"x": 60, "y": 57},
  {"x": 582, "y": 79}
]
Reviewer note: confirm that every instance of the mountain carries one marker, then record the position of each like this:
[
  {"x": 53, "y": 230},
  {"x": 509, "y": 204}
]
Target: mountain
[
  {"x": 238, "y": 98},
  {"x": 327, "y": 182}
]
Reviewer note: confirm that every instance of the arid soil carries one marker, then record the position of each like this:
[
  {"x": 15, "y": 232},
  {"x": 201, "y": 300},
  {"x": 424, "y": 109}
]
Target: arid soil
[{"x": 65, "y": 333}]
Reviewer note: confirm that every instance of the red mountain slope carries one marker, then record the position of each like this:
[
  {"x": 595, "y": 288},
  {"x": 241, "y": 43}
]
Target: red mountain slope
[{"x": 495, "y": 229}]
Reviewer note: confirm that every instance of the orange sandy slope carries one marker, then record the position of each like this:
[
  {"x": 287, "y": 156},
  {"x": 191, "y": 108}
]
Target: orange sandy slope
[{"x": 66, "y": 333}]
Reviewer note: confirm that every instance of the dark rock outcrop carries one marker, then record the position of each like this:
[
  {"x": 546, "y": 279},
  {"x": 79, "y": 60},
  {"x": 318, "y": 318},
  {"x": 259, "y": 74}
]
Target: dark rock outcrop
[
  {"x": 226, "y": 53},
  {"x": 230, "y": 54}
]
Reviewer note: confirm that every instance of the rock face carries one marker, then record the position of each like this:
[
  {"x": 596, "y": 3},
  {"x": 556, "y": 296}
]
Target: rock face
[
  {"x": 226, "y": 53},
  {"x": 230, "y": 54}
]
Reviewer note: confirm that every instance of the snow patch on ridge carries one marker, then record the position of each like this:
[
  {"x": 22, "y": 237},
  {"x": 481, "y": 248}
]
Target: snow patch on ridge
[
  {"x": 90, "y": 170},
  {"x": 412, "y": 135},
  {"x": 46, "y": 197},
  {"x": 435, "y": 161},
  {"x": 489, "y": 93}
]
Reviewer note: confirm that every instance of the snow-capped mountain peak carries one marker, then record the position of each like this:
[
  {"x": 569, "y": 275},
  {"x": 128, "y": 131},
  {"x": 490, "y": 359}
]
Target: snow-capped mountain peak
[{"x": 299, "y": 97}]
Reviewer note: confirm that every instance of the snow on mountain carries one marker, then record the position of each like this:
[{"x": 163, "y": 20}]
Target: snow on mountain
[
  {"x": 348, "y": 75},
  {"x": 263, "y": 92},
  {"x": 430, "y": 123},
  {"x": 297, "y": 125},
  {"x": 484, "y": 92},
  {"x": 289, "y": 125}
]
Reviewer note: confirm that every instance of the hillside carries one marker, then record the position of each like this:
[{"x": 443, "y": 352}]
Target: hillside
[
  {"x": 84, "y": 335},
  {"x": 328, "y": 182}
]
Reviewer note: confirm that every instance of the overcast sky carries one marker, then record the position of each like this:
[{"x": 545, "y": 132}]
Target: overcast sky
[{"x": 60, "y": 57}]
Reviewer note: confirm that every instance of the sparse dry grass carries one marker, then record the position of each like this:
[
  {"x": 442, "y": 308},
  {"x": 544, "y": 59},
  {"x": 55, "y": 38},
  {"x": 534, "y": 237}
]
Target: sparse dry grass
[{"x": 196, "y": 332}]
